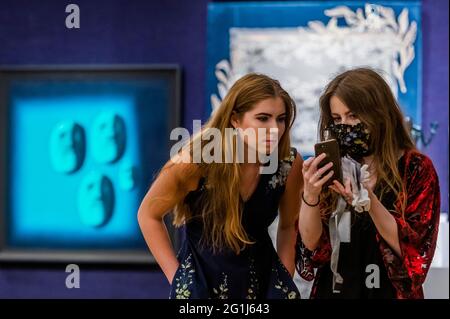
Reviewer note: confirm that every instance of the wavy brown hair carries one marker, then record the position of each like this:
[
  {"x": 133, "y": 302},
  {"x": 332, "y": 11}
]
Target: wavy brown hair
[
  {"x": 370, "y": 98},
  {"x": 221, "y": 206}
]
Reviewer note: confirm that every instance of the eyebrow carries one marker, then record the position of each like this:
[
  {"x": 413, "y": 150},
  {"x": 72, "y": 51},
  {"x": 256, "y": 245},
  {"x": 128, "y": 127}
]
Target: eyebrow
[
  {"x": 335, "y": 114},
  {"x": 268, "y": 114}
]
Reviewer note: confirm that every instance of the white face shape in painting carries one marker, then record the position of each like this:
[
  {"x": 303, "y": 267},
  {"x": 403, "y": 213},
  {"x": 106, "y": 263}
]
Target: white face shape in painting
[
  {"x": 127, "y": 176},
  {"x": 95, "y": 200},
  {"x": 67, "y": 147},
  {"x": 108, "y": 137}
]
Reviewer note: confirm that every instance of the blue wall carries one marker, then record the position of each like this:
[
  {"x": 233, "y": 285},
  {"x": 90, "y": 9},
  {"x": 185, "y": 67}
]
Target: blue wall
[{"x": 170, "y": 31}]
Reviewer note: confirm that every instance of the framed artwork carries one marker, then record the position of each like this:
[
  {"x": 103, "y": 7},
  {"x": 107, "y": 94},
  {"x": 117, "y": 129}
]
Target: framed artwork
[
  {"x": 80, "y": 146},
  {"x": 305, "y": 44}
]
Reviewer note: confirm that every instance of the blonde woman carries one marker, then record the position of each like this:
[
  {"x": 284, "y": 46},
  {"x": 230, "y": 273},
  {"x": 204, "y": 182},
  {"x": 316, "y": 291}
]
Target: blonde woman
[
  {"x": 392, "y": 242},
  {"x": 226, "y": 208}
]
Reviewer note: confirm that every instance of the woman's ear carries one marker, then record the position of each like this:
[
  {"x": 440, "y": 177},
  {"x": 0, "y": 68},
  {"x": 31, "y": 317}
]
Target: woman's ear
[{"x": 234, "y": 120}]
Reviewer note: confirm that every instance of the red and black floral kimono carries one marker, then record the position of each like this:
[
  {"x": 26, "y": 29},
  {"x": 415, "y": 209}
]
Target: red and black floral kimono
[{"x": 400, "y": 277}]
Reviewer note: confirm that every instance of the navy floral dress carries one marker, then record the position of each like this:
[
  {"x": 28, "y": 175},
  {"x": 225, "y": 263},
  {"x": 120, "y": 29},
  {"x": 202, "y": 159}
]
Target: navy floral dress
[{"x": 255, "y": 273}]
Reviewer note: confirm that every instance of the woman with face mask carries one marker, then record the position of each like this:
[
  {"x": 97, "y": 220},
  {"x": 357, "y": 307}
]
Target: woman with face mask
[{"x": 391, "y": 244}]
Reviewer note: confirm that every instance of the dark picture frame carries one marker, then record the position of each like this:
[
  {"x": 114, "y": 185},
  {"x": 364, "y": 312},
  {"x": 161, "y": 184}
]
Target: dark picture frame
[{"x": 169, "y": 73}]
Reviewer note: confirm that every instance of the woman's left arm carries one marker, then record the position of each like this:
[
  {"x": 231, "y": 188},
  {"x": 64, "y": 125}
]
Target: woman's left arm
[
  {"x": 385, "y": 223},
  {"x": 408, "y": 240},
  {"x": 417, "y": 229},
  {"x": 289, "y": 209}
]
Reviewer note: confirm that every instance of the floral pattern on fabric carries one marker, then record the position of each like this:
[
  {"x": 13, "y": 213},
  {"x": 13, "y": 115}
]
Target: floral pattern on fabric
[
  {"x": 221, "y": 292},
  {"x": 282, "y": 287},
  {"x": 285, "y": 165},
  {"x": 184, "y": 280},
  {"x": 353, "y": 139},
  {"x": 253, "y": 287}
]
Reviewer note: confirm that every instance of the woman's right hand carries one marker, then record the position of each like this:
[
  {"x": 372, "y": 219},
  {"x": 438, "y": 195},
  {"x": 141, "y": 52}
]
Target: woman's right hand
[{"x": 313, "y": 179}]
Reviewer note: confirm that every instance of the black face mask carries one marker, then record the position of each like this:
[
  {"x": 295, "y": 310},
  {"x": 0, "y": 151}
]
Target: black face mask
[{"x": 354, "y": 140}]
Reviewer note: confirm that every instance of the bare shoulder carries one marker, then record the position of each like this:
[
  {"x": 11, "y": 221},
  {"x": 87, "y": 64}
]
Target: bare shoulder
[
  {"x": 298, "y": 162},
  {"x": 295, "y": 178},
  {"x": 296, "y": 168},
  {"x": 181, "y": 168}
]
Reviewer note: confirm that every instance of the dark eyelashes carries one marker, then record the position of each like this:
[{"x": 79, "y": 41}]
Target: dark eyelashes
[{"x": 263, "y": 119}]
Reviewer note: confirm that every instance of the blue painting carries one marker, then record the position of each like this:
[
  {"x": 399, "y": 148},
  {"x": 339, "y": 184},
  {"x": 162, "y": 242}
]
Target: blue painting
[
  {"x": 304, "y": 44},
  {"x": 82, "y": 153}
]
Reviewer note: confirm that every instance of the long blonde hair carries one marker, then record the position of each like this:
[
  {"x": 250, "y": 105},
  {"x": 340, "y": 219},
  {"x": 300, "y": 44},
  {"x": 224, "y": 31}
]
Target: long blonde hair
[
  {"x": 369, "y": 97},
  {"x": 221, "y": 206}
]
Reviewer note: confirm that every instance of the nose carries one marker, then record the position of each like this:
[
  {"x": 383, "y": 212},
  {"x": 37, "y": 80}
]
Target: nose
[
  {"x": 274, "y": 125},
  {"x": 109, "y": 131},
  {"x": 272, "y": 128},
  {"x": 67, "y": 139}
]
